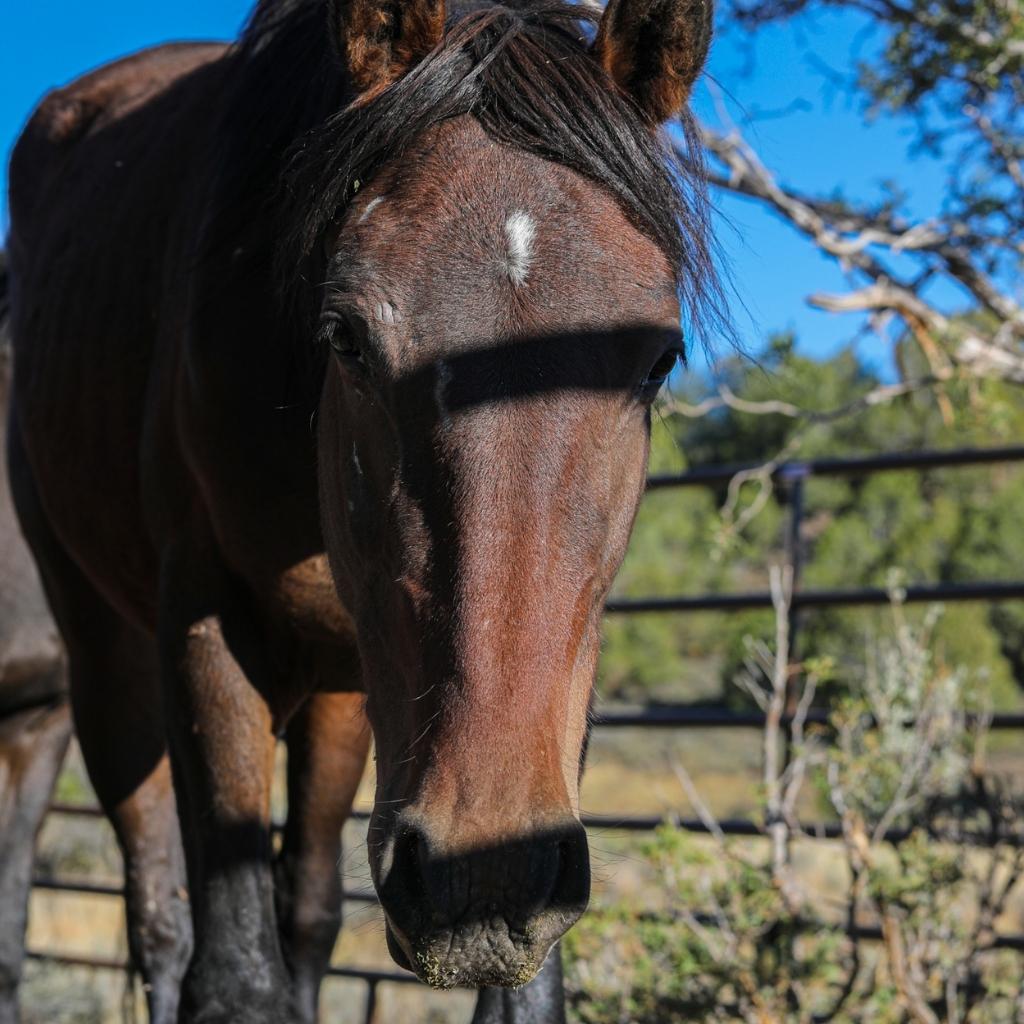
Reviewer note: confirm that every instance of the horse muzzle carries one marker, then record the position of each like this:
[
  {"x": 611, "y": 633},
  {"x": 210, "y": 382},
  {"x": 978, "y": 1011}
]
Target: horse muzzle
[{"x": 481, "y": 917}]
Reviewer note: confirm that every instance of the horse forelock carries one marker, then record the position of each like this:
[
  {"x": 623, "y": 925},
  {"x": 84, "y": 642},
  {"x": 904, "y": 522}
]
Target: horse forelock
[{"x": 524, "y": 71}]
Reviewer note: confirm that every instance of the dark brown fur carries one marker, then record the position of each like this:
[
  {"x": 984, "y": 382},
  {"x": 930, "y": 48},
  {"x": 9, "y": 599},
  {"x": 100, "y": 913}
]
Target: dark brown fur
[
  {"x": 381, "y": 41},
  {"x": 655, "y": 50},
  {"x": 185, "y": 223}
]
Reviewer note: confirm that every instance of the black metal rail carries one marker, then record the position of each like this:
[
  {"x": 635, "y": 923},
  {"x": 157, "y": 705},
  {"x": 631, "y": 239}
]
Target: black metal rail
[
  {"x": 994, "y": 590},
  {"x": 709, "y": 476},
  {"x": 790, "y": 477}
]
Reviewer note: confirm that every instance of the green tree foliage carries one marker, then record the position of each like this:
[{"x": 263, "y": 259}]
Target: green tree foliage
[
  {"x": 951, "y": 525},
  {"x": 957, "y": 68}
]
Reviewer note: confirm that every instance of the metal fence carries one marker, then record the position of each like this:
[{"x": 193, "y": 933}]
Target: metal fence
[{"x": 790, "y": 478}]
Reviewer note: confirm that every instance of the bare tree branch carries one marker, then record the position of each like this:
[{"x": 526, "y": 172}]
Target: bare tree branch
[{"x": 856, "y": 237}]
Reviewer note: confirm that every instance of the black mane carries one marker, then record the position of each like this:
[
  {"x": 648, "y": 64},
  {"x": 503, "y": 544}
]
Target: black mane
[{"x": 522, "y": 69}]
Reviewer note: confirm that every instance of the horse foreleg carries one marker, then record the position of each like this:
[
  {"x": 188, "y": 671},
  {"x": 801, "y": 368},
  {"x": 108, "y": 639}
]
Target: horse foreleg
[
  {"x": 540, "y": 1002},
  {"x": 222, "y": 744},
  {"x": 328, "y": 740},
  {"x": 32, "y": 746},
  {"x": 120, "y": 726},
  {"x": 115, "y": 695}
]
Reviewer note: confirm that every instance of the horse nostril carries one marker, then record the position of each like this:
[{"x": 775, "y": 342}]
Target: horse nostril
[
  {"x": 563, "y": 861},
  {"x": 564, "y": 858},
  {"x": 408, "y": 870},
  {"x": 545, "y": 877},
  {"x": 571, "y": 889},
  {"x": 402, "y": 881}
]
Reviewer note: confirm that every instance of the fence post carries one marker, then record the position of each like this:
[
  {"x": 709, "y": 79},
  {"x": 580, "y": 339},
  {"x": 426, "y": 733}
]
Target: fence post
[
  {"x": 371, "y": 1001},
  {"x": 792, "y": 477}
]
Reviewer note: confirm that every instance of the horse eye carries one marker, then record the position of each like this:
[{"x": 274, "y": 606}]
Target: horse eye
[
  {"x": 658, "y": 373},
  {"x": 346, "y": 335}
]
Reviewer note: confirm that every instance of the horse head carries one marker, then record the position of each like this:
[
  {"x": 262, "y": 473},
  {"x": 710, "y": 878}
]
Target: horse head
[{"x": 505, "y": 250}]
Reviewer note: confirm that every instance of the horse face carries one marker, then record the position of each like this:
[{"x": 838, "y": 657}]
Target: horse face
[
  {"x": 499, "y": 329},
  {"x": 498, "y": 338}
]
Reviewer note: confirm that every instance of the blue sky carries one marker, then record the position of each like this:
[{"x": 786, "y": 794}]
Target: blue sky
[{"x": 822, "y": 145}]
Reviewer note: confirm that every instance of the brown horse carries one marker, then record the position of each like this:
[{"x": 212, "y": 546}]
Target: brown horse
[
  {"x": 34, "y": 721},
  {"x": 453, "y": 238}
]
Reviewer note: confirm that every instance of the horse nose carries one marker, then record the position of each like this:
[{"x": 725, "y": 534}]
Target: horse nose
[{"x": 484, "y": 916}]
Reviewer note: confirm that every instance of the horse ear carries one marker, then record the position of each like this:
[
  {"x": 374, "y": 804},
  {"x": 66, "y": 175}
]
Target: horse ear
[
  {"x": 381, "y": 40},
  {"x": 655, "y": 49}
]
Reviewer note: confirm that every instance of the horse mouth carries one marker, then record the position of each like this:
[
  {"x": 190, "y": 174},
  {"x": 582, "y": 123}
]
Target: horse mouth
[
  {"x": 466, "y": 958},
  {"x": 396, "y": 949}
]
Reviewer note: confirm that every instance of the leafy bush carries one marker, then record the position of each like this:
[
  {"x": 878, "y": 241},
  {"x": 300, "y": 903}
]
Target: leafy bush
[{"x": 933, "y": 849}]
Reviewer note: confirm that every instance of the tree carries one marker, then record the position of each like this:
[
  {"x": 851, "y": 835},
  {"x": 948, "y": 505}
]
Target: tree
[{"x": 956, "y": 69}]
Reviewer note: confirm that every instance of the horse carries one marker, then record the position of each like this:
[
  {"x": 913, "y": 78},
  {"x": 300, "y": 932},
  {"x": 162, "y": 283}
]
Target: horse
[
  {"x": 35, "y": 721},
  {"x": 335, "y": 350}
]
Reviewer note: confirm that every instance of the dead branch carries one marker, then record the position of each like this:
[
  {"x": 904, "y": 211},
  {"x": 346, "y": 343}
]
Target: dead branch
[{"x": 855, "y": 238}]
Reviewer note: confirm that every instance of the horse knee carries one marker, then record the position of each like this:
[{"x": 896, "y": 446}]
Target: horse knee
[
  {"x": 159, "y": 936},
  {"x": 156, "y": 901}
]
